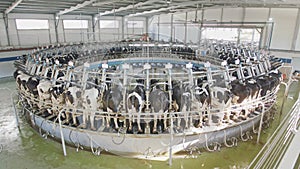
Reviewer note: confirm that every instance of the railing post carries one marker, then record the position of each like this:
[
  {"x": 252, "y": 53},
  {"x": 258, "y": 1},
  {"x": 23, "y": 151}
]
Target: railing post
[
  {"x": 171, "y": 140},
  {"x": 261, "y": 121},
  {"x": 61, "y": 134}
]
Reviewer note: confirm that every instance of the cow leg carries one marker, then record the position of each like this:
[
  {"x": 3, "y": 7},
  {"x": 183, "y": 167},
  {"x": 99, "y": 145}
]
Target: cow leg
[
  {"x": 139, "y": 122},
  {"x": 107, "y": 119},
  {"x": 73, "y": 114},
  {"x": 67, "y": 116},
  {"x": 116, "y": 122},
  {"x": 178, "y": 122},
  {"x": 186, "y": 116},
  {"x": 130, "y": 117},
  {"x": 139, "y": 119},
  {"x": 186, "y": 119},
  {"x": 84, "y": 117},
  {"x": 92, "y": 116},
  {"x": 165, "y": 120},
  {"x": 200, "y": 123},
  {"x": 109, "y": 111},
  {"x": 191, "y": 121},
  {"x": 155, "y": 124}
]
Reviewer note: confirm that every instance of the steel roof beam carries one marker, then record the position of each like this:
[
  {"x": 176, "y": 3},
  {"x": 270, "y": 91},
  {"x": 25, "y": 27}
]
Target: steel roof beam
[
  {"x": 85, "y": 3},
  {"x": 174, "y": 6},
  {"x": 128, "y": 7},
  {"x": 13, "y": 6}
]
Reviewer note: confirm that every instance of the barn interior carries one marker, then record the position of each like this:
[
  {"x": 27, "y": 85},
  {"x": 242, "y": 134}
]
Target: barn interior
[{"x": 271, "y": 26}]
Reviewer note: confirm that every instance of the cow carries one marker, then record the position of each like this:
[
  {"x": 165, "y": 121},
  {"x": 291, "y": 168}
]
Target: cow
[
  {"x": 242, "y": 95},
  {"x": 275, "y": 78},
  {"x": 182, "y": 97},
  {"x": 72, "y": 101},
  {"x": 221, "y": 99},
  {"x": 90, "y": 104},
  {"x": 44, "y": 96},
  {"x": 32, "y": 84},
  {"x": 57, "y": 98},
  {"x": 112, "y": 98},
  {"x": 159, "y": 105},
  {"x": 21, "y": 80},
  {"x": 135, "y": 104},
  {"x": 264, "y": 84},
  {"x": 202, "y": 100}
]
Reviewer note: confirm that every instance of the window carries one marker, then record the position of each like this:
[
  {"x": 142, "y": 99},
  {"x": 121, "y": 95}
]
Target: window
[
  {"x": 230, "y": 34},
  {"x": 109, "y": 24},
  {"x": 75, "y": 24},
  {"x": 32, "y": 24},
  {"x": 135, "y": 24}
]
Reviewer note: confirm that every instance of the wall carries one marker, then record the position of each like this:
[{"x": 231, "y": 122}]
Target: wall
[
  {"x": 284, "y": 27},
  {"x": 33, "y": 38},
  {"x": 29, "y": 38},
  {"x": 285, "y": 32},
  {"x": 7, "y": 68}
]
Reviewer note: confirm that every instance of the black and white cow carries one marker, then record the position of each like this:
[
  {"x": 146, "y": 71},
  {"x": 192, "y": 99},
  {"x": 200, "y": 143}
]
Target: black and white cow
[
  {"x": 57, "y": 98},
  {"x": 135, "y": 104},
  {"x": 182, "y": 101},
  {"x": 112, "y": 103},
  {"x": 159, "y": 105},
  {"x": 43, "y": 89},
  {"x": 21, "y": 80},
  {"x": 90, "y": 104},
  {"x": 242, "y": 95},
  {"x": 202, "y": 101},
  {"x": 221, "y": 98},
  {"x": 73, "y": 102}
]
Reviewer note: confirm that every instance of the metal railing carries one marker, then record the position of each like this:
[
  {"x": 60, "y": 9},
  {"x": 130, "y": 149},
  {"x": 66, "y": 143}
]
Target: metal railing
[{"x": 272, "y": 152}]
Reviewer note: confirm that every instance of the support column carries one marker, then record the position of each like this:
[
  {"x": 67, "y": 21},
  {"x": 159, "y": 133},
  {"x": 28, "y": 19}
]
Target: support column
[
  {"x": 56, "y": 22},
  {"x": 239, "y": 29},
  {"x": 266, "y": 31},
  {"x": 122, "y": 27},
  {"x": 94, "y": 24},
  {"x": 5, "y": 17},
  {"x": 171, "y": 37},
  {"x": 147, "y": 25},
  {"x": 200, "y": 28},
  {"x": 296, "y": 31},
  {"x": 185, "y": 28},
  {"x": 222, "y": 14},
  {"x": 158, "y": 26}
]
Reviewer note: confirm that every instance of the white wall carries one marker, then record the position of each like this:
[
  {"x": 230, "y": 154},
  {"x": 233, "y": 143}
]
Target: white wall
[
  {"x": 232, "y": 14},
  {"x": 212, "y": 14},
  {"x": 75, "y": 35},
  {"x": 256, "y": 14},
  {"x": 283, "y": 31},
  {"x": 284, "y": 26},
  {"x": 164, "y": 27},
  {"x": 29, "y": 38}
]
